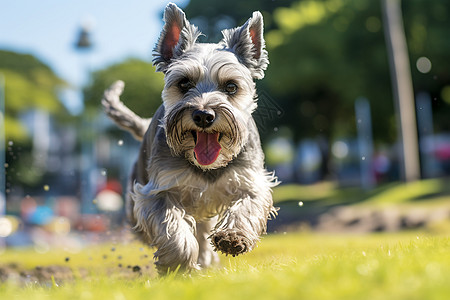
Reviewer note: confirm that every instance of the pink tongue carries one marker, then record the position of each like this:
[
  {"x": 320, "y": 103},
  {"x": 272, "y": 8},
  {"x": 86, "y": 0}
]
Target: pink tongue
[{"x": 207, "y": 148}]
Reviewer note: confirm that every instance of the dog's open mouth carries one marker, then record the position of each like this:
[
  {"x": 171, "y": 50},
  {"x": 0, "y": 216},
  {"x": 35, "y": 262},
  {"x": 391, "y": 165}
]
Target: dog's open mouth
[{"x": 207, "y": 147}]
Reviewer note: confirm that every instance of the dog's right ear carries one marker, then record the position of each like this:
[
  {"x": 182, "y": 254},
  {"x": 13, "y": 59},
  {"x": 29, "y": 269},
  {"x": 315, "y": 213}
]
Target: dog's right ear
[{"x": 177, "y": 36}]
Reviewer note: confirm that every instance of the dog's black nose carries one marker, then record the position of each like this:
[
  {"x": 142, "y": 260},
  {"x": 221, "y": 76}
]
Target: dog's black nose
[{"x": 203, "y": 118}]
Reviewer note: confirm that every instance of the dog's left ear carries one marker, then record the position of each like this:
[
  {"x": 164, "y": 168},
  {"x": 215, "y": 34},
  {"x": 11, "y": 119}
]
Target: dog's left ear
[
  {"x": 177, "y": 36},
  {"x": 247, "y": 42}
]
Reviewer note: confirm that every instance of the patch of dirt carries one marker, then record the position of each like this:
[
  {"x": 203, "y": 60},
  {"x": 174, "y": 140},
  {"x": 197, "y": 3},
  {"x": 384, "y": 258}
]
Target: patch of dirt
[{"x": 42, "y": 275}]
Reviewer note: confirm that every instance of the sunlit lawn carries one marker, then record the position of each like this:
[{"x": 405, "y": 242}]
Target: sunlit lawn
[
  {"x": 308, "y": 265},
  {"x": 414, "y": 265}
]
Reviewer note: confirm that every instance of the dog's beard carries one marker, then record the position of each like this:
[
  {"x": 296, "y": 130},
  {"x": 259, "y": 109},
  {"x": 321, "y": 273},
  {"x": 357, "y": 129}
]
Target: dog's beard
[{"x": 208, "y": 148}]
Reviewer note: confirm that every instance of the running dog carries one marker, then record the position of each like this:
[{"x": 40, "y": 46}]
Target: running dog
[{"x": 199, "y": 184}]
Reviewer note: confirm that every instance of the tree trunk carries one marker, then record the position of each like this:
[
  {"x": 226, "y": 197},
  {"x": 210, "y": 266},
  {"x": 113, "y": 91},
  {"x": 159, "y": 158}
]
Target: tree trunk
[{"x": 402, "y": 89}]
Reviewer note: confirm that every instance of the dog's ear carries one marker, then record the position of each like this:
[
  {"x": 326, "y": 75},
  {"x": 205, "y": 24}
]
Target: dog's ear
[
  {"x": 176, "y": 36},
  {"x": 247, "y": 42}
]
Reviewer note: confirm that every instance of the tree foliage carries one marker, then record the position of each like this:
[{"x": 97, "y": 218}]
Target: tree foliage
[
  {"x": 325, "y": 55},
  {"x": 213, "y": 16},
  {"x": 29, "y": 84},
  {"x": 427, "y": 26},
  {"x": 143, "y": 86}
]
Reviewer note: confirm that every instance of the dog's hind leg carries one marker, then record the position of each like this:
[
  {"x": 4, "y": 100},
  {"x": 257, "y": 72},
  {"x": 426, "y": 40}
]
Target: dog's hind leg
[
  {"x": 206, "y": 255},
  {"x": 122, "y": 115}
]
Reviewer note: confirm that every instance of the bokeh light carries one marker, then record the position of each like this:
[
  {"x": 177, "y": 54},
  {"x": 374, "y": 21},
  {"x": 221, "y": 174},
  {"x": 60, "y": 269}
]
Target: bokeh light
[
  {"x": 108, "y": 200},
  {"x": 423, "y": 64},
  {"x": 8, "y": 225},
  {"x": 340, "y": 149}
]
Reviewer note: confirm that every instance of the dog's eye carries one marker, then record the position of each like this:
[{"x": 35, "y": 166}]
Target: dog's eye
[
  {"x": 185, "y": 85},
  {"x": 231, "y": 88}
]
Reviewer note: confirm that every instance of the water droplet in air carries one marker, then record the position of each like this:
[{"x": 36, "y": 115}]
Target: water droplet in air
[
  {"x": 120, "y": 142},
  {"x": 10, "y": 143},
  {"x": 103, "y": 172},
  {"x": 300, "y": 203},
  {"x": 363, "y": 158}
]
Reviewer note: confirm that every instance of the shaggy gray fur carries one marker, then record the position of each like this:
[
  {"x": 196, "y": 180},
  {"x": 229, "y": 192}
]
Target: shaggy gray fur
[{"x": 184, "y": 207}]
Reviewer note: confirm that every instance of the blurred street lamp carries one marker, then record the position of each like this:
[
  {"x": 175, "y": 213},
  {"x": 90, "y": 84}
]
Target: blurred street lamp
[
  {"x": 84, "y": 37},
  {"x": 84, "y": 41},
  {"x": 87, "y": 168}
]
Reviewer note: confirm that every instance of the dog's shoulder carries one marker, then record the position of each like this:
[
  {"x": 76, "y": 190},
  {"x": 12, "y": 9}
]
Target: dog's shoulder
[
  {"x": 140, "y": 173},
  {"x": 153, "y": 128}
]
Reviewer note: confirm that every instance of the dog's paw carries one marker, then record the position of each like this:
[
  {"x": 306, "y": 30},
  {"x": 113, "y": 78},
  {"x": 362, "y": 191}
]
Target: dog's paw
[{"x": 230, "y": 242}]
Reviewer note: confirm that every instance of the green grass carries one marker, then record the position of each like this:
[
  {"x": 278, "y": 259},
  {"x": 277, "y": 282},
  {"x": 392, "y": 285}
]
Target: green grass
[
  {"x": 408, "y": 265},
  {"x": 291, "y": 266}
]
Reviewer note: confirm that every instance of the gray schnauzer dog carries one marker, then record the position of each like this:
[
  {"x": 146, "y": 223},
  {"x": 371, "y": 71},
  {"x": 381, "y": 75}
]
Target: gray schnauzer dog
[{"x": 199, "y": 184}]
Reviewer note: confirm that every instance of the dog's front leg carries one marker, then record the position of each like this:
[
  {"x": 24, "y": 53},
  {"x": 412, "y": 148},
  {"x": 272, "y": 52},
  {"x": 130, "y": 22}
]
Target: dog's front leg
[
  {"x": 166, "y": 226},
  {"x": 241, "y": 225}
]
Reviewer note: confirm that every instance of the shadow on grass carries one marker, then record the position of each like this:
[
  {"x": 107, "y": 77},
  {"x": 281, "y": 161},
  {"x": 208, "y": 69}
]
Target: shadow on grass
[{"x": 306, "y": 204}]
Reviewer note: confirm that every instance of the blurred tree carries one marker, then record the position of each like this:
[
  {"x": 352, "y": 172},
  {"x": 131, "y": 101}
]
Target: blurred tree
[
  {"x": 402, "y": 90},
  {"x": 324, "y": 55},
  {"x": 427, "y": 26},
  {"x": 29, "y": 84},
  {"x": 213, "y": 16},
  {"x": 143, "y": 86}
]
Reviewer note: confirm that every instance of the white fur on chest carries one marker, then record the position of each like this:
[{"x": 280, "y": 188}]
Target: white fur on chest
[{"x": 202, "y": 198}]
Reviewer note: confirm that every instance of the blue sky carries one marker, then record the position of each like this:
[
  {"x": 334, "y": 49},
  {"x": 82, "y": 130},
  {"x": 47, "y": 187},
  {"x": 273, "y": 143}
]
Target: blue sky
[{"x": 48, "y": 29}]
